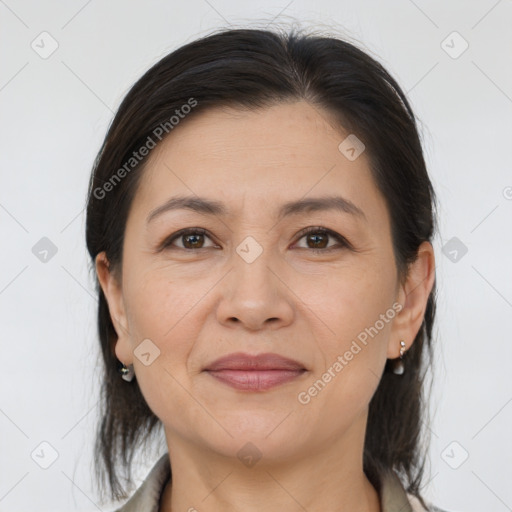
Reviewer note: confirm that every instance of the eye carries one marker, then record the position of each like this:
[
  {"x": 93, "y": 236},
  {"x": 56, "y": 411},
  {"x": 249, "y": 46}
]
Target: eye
[
  {"x": 191, "y": 238},
  {"x": 317, "y": 239}
]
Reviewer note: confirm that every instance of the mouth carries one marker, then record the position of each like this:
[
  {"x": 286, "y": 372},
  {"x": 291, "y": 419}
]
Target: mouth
[{"x": 254, "y": 373}]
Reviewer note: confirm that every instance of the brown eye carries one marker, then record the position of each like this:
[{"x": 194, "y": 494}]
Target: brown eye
[
  {"x": 191, "y": 239},
  {"x": 317, "y": 239}
]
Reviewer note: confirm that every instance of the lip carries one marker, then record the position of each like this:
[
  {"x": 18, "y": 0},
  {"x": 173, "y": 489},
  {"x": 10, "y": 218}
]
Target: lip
[
  {"x": 254, "y": 373},
  {"x": 242, "y": 361}
]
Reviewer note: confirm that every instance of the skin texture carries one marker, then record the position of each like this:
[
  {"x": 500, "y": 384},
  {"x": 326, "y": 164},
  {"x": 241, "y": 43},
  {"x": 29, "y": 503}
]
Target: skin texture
[{"x": 196, "y": 305}]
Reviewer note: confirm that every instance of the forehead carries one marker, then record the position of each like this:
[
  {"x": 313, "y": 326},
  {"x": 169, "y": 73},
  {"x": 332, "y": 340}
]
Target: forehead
[{"x": 260, "y": 158}]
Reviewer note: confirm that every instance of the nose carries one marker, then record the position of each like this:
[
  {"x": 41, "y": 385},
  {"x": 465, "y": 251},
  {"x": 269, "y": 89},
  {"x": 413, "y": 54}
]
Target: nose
[{"x": 255, "y": 295}]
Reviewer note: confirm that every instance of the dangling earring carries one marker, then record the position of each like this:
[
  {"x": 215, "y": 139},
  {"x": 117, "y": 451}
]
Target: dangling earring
[
  {"x": 398, "y": 367},
  {"x": 127, "y": 372}
]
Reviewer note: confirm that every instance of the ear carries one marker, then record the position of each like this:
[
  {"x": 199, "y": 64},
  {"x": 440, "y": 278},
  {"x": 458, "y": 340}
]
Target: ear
[
  {"x": 413, "y": 296},
  {"x": 110, "y": 283}
]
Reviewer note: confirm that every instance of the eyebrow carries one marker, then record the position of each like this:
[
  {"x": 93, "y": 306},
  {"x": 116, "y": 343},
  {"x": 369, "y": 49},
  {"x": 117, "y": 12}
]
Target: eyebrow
[{"x": 301, "y": 206}]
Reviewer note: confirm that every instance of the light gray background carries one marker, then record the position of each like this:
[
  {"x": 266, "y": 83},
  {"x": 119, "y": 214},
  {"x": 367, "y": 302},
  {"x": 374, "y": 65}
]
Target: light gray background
[{"x": 54, "y": 114}]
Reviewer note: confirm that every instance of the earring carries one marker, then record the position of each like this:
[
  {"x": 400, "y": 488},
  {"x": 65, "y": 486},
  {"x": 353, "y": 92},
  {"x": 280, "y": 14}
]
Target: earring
[
  {"x": 398, "y": 367},
  {"x": 127, "y": 372}
]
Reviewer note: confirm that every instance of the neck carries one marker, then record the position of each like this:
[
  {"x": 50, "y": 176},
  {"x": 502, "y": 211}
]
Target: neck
[
  {"x": 329, "y": 477},
  {"x": 272, "y": 494}
]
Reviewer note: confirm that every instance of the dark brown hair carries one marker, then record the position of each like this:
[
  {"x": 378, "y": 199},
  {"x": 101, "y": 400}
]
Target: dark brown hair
[{"x": 252, "y": 68}]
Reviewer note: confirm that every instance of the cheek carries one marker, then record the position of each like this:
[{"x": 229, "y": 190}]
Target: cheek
[
  {"x": 357, "y": 308},
  {"x": 353, "y": 358},
  {"x": 350, "y": 301},
  {"x": 159, "y": 309},
  {"x": 158, "y": 305}
]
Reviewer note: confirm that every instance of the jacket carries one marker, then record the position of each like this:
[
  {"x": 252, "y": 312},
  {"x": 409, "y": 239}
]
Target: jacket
[{"x": 393, "y": 497}]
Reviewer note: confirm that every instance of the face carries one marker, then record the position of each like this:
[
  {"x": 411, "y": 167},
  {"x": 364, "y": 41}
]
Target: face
[{"x": 315, "y": 284}]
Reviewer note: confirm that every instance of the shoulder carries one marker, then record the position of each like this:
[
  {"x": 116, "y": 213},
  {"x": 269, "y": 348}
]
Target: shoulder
[
  {"x": 418, "y": 507},
  {"x": 147, "y": 496},
  {"x": 394, "y": 496}
]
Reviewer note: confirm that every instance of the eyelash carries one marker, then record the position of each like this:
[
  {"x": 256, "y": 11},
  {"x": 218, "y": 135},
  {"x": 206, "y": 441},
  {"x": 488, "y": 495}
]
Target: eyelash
[{"x": 343, "y": 243}]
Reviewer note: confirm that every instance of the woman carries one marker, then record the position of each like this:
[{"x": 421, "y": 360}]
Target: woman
[{"x": 260, "y": 222}]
